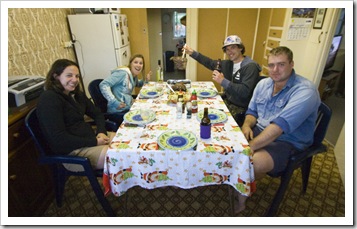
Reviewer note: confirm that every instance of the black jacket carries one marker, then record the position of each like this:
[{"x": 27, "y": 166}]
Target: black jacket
[
  {"x": 62, "y": 121},
  {"x": 239, "y": 90}
]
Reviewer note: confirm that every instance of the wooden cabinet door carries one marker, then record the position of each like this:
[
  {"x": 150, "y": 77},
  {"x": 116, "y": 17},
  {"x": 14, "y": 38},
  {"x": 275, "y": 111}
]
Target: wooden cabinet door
[
  {"x": 211, "y": 34},
  {"x": 262, "y": 34},
  {"x": 212, "y": 27},
  {"x": 30, "y": 184},
  {"x": 271, "y": 23},
  {"x": 242, "y": 22}
]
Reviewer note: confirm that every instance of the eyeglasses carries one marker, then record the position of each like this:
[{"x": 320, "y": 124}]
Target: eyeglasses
[{"x": 279, "y": 65}]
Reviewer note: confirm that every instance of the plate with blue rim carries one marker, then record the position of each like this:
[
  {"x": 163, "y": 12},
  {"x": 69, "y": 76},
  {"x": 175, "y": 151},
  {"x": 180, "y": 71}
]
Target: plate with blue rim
[
  {"x": 215, "y": 115},
  {"x": 135, "y": 117},
  {"x": 177, "y": 140},
  {"x": 150, "y": 92},
  {"x": 206, "y": 92}
]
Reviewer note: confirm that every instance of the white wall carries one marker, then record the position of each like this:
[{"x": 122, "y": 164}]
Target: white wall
[
  {"x": 155, "y": 38},
  {"x": 310, "y": 55}
]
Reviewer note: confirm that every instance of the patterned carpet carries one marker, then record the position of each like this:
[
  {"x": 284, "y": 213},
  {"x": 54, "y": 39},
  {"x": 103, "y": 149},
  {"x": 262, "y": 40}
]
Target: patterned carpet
[{"x": 325, "y": 196}]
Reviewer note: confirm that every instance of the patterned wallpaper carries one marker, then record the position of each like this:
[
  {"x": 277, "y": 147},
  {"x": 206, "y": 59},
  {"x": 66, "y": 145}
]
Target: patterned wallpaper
[{"x": 36, "y": 39}]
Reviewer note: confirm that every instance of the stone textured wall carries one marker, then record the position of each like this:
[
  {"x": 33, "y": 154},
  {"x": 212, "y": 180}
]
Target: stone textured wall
[{"x": 35, "y": 40}]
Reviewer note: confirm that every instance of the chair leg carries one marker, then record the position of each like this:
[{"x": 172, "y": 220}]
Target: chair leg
[
  {"x": 305, "y": 173},
  {"x": 279, "y": 195},
  {"x": 100, "y": 195},
  {"x": 60, "y": 179},
  {"x": 232, "y": 199},
  {"x": 126, "y": 203}
]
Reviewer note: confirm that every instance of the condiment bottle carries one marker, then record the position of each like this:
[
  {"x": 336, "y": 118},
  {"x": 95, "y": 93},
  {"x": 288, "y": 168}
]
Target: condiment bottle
[
  {"x": 205, "y": 126},
  {"x": 180, "y": 95},
  {"x": 194, "y": 102}
]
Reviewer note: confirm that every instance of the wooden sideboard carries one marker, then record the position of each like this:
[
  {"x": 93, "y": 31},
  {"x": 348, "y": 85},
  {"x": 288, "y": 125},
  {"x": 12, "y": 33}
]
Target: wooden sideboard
[{"x": 30, "y": 184}]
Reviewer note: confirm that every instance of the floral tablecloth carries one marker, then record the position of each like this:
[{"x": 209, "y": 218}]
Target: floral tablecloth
[{"x": 136, "y": 158}]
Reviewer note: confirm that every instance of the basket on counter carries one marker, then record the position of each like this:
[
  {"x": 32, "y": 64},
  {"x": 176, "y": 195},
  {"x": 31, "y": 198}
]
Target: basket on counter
[{"x": 180, "y": 63}]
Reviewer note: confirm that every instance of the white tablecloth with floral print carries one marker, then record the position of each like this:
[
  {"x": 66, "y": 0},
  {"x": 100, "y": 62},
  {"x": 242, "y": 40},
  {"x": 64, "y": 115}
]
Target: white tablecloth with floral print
[{"x": 135, "y": 158}]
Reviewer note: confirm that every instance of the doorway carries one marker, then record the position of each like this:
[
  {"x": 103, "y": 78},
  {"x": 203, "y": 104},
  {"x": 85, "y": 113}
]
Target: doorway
[
  {"x": 167, "y": 35},
  {"x": 332, "y": 89}
]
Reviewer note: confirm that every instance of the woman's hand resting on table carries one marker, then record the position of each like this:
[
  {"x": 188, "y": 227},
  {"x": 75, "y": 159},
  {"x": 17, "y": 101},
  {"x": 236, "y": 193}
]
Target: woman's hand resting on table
[{"x": 102, "y": 139}]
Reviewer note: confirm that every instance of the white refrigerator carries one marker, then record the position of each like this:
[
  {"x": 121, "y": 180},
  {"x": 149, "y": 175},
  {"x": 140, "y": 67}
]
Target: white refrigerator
[{"x": 101, "y": 43}]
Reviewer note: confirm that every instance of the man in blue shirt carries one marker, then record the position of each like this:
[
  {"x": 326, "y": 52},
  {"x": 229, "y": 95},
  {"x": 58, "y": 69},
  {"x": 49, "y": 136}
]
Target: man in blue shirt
[{"x": 281, "y": 116}]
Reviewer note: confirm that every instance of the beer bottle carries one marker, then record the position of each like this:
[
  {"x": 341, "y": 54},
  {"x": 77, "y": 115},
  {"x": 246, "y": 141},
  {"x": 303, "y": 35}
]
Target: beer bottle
[
  {"x": 205, "y": 126},
  {"x": 219, "y": 65}
]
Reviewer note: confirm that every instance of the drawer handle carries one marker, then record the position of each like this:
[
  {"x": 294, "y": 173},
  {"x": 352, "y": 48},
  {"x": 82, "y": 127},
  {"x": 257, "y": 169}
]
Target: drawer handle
[
  {"x": 12, "y": 177},
  {"x": 16, "y": 135}
]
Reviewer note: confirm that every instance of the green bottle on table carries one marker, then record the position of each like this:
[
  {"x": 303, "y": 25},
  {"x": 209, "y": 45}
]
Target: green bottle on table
[{"x": 205, "y": 126}]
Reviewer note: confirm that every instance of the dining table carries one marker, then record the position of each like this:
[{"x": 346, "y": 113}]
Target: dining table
[{"x": 162, "y": 150}]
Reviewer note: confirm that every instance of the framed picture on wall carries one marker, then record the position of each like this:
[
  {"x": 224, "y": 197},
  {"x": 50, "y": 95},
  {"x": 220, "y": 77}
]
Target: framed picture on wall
[{"x": 319, "y": 17}]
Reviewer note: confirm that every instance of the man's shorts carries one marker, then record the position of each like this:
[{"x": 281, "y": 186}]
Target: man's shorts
[{"x": 280, "y": 152}]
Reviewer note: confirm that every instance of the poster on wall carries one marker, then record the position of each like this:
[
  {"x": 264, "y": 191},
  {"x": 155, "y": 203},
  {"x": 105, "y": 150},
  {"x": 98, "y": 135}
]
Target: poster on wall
[{"x": 300, "y": 23}]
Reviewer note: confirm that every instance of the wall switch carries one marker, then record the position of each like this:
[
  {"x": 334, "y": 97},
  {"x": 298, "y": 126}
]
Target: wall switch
[{"x": 67, "y": 44}]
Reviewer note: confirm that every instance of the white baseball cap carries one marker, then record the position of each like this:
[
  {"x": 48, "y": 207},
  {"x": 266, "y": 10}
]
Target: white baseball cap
[{"x": 232, "y": 40}]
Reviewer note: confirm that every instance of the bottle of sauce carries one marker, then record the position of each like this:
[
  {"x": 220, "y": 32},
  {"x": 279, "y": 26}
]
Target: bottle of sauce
[
  {"x": 194, "y": 102},
  {"x": 205, "y": 126},
  {"x": 219, "y": 65}
]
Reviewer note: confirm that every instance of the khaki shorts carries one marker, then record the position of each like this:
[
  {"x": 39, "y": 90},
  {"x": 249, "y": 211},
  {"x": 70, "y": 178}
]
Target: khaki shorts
[{"x": 92, "y": 153}]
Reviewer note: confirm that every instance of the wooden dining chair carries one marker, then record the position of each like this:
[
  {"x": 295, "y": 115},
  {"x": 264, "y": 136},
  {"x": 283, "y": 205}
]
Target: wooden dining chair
[
  {"x": 59, "y": 172},
  {"x": 302, "y": 159}
]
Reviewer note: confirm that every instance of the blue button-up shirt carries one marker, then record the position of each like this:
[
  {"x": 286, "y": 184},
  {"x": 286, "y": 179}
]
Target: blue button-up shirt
[{"x": 293, "y": 109}]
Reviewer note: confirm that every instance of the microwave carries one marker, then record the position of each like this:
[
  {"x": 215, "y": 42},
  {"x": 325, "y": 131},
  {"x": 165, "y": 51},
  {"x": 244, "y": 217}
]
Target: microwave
[{"x": 96, "y": 10}]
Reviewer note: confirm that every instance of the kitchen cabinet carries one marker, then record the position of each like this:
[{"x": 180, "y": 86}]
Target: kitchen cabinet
[
  {"x": 271, "y": 24},
  {"x": 214, "y": 25},
  {"x": 30, "y": 185}
]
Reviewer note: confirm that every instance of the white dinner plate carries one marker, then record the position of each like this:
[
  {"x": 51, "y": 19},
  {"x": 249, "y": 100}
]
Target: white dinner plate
[
  {"x": 206, "y": 93},
  {"x": 135, "y": 117},
  {"x": 150, "y": 92}
]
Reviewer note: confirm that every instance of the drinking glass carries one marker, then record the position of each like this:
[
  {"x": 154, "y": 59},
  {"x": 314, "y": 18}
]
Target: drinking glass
[{"x": 144, "y": 114}]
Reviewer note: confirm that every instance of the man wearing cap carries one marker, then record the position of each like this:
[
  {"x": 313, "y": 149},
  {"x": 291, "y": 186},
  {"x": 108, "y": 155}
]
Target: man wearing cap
[{"x": 239, "y": 75}]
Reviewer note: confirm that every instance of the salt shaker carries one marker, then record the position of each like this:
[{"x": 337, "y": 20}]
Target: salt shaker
[
  {"x": 179, "y": 108},
  {"x": 188, "y": 109}
]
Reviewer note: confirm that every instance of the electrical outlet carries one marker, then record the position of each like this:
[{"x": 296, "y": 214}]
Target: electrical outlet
[{"x": 67, "y": 44}]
